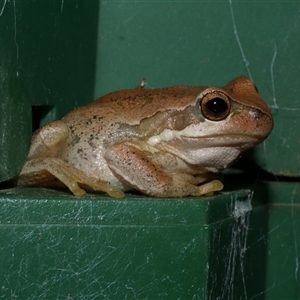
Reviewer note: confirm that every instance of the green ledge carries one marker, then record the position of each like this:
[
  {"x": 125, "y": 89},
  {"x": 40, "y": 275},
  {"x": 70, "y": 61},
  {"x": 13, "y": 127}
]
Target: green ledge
[{"x": 56, "y": 246}]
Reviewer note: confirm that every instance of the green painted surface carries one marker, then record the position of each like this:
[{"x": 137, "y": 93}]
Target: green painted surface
[
  {"x": 54, "y": 245},
  {"x": 283, "y": 241},
  {"x": 47, "y": 58},
  {"x": 279, "y": 155},
  {"x": 57, "y": 246},
  {"x": 237, "y": 257},
  {"x": 15, "y": 128}
]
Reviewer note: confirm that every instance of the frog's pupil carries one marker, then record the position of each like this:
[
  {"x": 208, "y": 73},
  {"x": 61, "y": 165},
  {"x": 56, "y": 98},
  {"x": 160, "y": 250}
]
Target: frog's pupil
[{"x": 217, "y": 105}]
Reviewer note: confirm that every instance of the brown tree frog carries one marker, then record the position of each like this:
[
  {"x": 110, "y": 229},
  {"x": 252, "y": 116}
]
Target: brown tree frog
[{"x": 162, "y": 142}]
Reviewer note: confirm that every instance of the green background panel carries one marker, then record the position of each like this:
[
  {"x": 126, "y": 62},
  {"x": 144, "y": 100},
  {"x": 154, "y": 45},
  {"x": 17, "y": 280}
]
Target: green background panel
[
  {"x": 47, "y": 58},
  {"x": 200, "y": 43},
  {"x": 283, "y": 239},
  {"x": 283, "y": 257},
  {"x": 280, "y": 153}
]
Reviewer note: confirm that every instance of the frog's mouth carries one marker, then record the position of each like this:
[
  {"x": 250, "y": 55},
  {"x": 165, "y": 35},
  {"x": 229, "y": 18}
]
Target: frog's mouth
[
  {"x": 243, "y": 141},
  {"x": 228, "y": 140},
  {"x": 219, "y": 139}
]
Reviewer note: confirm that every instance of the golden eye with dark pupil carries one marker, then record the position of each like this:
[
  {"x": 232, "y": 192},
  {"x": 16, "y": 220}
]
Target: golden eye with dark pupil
[{"x": 214, "y": 107}]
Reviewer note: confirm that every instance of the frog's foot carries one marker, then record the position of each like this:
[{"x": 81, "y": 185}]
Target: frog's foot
[
  {"x": 208, "y": 188},
  {"x": 207, "y": 184},
  {"x": 186, "y": 184},
  {"x": 54, "y": 172}
]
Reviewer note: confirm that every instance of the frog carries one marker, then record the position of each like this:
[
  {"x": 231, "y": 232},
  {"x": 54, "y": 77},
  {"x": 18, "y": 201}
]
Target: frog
[{"x": 162, "y": 142}]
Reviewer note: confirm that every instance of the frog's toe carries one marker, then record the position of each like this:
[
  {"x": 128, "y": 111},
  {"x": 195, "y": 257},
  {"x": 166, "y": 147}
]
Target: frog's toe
[
  {"x": 209, "y": 188},
  {"x": 104, "y": 186},
  {"x": 76, "y": 190}
]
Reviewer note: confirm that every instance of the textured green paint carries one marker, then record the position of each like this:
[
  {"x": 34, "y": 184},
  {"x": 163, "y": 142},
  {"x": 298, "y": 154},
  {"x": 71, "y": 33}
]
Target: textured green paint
[
  {"x": 92, "y": 262},
  {"x": 57, "y": 246},
  {"x": 283, "y": 240},
  {"x": 280, "y": 153},
  {"x": 47, "y": 57},
  {"x": 283, "y": 253},
  {"x": 237, "y": 257},
  {"x": 15, "y": 127}
]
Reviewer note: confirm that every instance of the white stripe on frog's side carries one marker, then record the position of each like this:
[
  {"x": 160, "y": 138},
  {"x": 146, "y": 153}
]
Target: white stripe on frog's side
[{"x": 194, "y": 131}]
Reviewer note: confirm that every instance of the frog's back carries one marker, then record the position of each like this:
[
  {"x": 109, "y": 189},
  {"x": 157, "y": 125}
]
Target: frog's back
[{"x": 132, "y": 105}]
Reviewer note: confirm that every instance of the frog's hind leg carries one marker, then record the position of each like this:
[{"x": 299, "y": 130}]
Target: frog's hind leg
[
  {"x": 49, "y": 141},
  {"x": 54, "y": 172},
  {"x": 44, "y": 167}
]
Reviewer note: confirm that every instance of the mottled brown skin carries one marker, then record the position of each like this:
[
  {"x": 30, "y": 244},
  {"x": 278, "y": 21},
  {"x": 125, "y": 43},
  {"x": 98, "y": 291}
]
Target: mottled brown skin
[
  {"x": 131, "y": 106},
  {"x": 162, "y": 142}
]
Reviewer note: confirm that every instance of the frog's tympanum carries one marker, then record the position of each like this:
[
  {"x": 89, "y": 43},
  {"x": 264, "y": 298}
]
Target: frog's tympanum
[{"x": 162, "y": 142}]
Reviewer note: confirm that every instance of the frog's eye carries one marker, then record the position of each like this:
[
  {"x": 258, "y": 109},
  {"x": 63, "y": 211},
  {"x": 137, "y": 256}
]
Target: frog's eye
[{"x": 215, "y": 106}]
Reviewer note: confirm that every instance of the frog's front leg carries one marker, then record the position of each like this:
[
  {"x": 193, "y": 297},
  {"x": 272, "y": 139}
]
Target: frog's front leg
[
  {"x": 131, "y": 165},
  {"x": 45, "y": 167}
]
